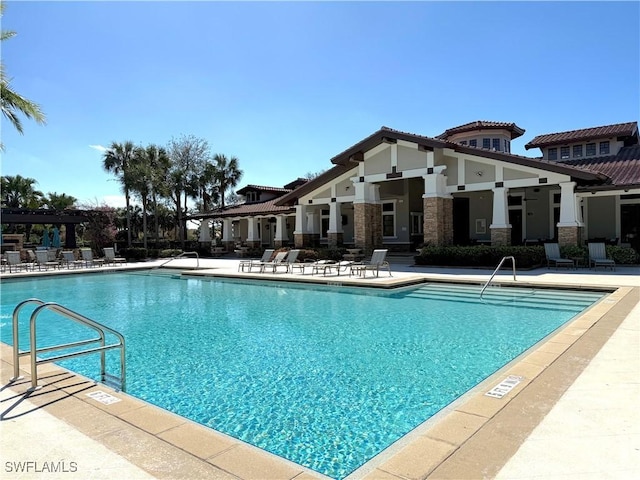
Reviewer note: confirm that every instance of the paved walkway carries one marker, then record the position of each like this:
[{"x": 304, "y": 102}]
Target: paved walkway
[{"x": 592, "y": 432}]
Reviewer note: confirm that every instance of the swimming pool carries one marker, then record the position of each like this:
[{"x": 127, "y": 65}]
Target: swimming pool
[{"x": 324, "y": 376}]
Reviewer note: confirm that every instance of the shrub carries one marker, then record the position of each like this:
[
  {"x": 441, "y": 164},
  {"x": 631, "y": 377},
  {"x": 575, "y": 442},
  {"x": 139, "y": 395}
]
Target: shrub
[
  {"x": 623, "y": 255},
  {"x": 480, "y": 256},
  {"x": 134, "y": 253},
  {"x": 169, "y": 252}
]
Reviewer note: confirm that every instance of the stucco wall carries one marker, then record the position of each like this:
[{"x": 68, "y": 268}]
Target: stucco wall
[
  {"x": 378, "y": 163},
  {"x": 410, "y": 158}
]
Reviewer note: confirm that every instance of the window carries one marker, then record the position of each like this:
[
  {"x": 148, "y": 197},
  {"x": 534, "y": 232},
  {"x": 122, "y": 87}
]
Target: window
[
  {"x": 389, "y": 219},
  {"x": 496, "y": 144},
  {"x": 577, "y": 151},
  {"x": 564, "y": 152},
  {"x": 324, "y": 221},
  {"x": 604, "y": 148},
  {"x": 486, "y": 143},
  {"x": 473, "y": 143},
  {"x": 514, "y": 200},
  {"x": 507, "y": 147},
  {"x": 417, "y": 223},
  {"x": 591, "y": 149},
  {"x": 251, "y": 197},
  {"x": 553, "y": 154}
]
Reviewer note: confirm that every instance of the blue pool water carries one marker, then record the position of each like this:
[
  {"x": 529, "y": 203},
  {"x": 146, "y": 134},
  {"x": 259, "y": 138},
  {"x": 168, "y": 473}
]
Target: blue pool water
[{"x": 324, "y": 376}]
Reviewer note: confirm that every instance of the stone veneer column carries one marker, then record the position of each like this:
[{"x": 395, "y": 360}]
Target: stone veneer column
[
  {"x": 438, "y": 220},
  {"x": 227, "y": 235},
  {"x": 570, "y": 223},
  {"x": 500, "y": 226},
  {"x": 570, "y": 235},
  {"x": 501, "y": 236},
  {"x": 367, "y": 229}
]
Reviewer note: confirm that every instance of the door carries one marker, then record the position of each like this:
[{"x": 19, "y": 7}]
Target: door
[{"x": 461, "y": 234}]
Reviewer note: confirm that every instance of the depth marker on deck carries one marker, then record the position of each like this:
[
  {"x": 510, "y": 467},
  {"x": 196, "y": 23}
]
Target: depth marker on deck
[
  {"x": 103, "y": 397},
  {"x": 504, "y": 387}
]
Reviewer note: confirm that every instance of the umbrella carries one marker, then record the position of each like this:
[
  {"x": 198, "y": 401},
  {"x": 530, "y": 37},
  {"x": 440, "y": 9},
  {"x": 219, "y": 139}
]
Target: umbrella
[
  {"x": 55, "y": 242},
  {"x": 46, "y": 241}
]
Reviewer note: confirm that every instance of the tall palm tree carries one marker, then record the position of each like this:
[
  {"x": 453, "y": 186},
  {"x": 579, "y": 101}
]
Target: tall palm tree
[
  {"x": 19, "y": 192},
  {"x": 228, "y": 174},
  {"x": 60, "y": 201},
  {"x": 117, "y": 160},
  {"x": 12, "y": 103},
  {"x": 159, "y": 163}
]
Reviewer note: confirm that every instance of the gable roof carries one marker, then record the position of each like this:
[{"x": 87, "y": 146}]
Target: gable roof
[
  {"x": 628, "y": 129},
  {"x": 349, "y": 159},
  {"x": 261, "y": 188},
  {"x": 515, "y": 130},
  {"x": 246, "y": 210}
]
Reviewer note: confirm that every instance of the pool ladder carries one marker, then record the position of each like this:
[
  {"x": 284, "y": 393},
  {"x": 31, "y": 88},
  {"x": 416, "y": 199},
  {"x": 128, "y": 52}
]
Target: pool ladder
[
  {"x": 513, "y": 264},
  {"x": 119, "y": 383},
  {"x": 183, "y": 254}
]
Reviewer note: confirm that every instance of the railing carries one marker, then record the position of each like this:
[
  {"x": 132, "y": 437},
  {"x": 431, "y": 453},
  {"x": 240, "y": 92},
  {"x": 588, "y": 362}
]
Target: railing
[
  {"x": 183, "y": 254},
  {"x": 76, "y": 317},
  {"x": 513, "y": 263}
]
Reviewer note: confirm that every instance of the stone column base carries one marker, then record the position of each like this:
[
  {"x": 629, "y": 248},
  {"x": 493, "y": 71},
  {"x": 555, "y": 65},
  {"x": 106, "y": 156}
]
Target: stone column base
[
  {"x": 278, "y": 244},
  {"x": 229, "y": 245},
  {"x": 438, "y": 220},
  {"x": 501, "y": 236},
  {"x": 335, "y": 240},
  {"x": 367, "y": 226},
  {"x": 570, "y": 235},
  {"x": 254, "y": 243},
  {"x": 302, "y": 240}
]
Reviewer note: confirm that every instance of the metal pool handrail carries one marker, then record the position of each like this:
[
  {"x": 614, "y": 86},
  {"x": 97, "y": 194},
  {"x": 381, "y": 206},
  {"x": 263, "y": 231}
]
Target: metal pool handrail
[
  {"x": 183, "y": 254},
  {"x": 78, "y": 318},
  {"x": 513, "y": 263}
]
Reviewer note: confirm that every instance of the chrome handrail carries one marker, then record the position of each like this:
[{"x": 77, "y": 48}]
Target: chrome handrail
[
  {"x": 513, "y": 263},
  {"x": 76, "y": 317},
  {"x": 183, "y": 254}
]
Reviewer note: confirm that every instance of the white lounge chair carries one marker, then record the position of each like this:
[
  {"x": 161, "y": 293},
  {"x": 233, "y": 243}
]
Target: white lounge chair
[
  {"x": 89, "y": 261},
  {"x": 598, "y": 256},
  {"x": 246, "y": 265},
  {"x": 69, "y": 260},
  {"x": 375, "y": 264},
  {"x": 42, "y": 260},
  {"x": 552, "y": 252},
  {"x": 273, "y": 264},
  {"x": 15, "y": 263},
  {"x": 110, "y": 257},
  {"x": 289, "y": 261}
]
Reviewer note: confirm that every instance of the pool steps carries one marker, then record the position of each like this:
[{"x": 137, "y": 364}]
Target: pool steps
[{"x": 539, "y": 298}]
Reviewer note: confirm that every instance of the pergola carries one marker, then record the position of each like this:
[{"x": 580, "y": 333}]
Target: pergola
[{"x": 31, "y": 216}]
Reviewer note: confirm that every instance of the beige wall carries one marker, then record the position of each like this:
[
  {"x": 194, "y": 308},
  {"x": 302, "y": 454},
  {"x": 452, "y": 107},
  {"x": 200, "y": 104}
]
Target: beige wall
[
  {"x": 378, "y": 163},
  {"x": 410, "y": 158}
]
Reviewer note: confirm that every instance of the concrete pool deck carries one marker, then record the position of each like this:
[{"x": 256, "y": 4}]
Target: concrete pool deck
[{"x": 574, "y": 415}]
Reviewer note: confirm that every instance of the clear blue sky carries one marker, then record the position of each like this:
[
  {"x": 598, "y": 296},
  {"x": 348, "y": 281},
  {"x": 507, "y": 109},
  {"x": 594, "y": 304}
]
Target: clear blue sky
[{"x": 286, "y": 86}]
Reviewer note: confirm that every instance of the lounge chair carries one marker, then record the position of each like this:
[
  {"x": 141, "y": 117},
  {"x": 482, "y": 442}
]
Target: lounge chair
[
  {"x": 42, "y": 260},
  {"x": 89, "y": 261},
  {"x": 69, "y": 260},
  {"x": 375, "y": 264},
  {"x": 15, "y": 263},
  {"x": 598, "y": 256},
  {"x": 110, "y": 257},
  {"x": 246, "y": 265},
  {"x": 290, "y": 261},
  {"x": 339, "y": 267},
  {"x": 273, "y": 264},
  {"x": 552, "y": 252}
]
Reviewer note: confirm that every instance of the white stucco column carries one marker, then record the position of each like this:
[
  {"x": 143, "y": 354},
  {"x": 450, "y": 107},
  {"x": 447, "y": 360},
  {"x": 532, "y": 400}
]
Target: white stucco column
[
  {"x": 500, "y": 208},
  {"x": 570, "y": 212},
  {"x": 366, "y": 192},
  {"x": 227, "y": 235},
  {"x": 435, "y": 184},
  {"x": 313, "y": 221},
  {"x": 335, "y": 218},
  {"x": 252, "y": 229},
  {"x": 301, "y": 220},
  {"x": 205, "y": 233},
  {"x": 280, "y": 228}
]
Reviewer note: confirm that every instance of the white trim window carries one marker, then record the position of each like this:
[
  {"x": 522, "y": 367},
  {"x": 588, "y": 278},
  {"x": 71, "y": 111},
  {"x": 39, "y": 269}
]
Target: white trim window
[
  {"x": 324, "y": 223},
  {"x": 389, "y": 219}
]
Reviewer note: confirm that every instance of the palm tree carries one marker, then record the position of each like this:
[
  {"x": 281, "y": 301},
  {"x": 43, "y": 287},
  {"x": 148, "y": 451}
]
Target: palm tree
[
  {"x": 60, "y": 201},
  {"x": 11, "y": 102},
  {"x": 159, "y": 165},
  {"x": 228, "y": 174},
  {"x": 117, "y": 160},
  {"x": 19, "y": 192}
]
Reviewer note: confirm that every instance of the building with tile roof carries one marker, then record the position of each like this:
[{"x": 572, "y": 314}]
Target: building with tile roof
[{"x": 400, "y": 190}]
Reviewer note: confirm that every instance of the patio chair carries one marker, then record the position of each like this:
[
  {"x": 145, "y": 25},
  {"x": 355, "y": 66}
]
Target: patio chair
[
  {"x": 15, "y": 263},
  {"x": 110, "y": 257},
  {"x": 598, "y": 256},
  {"x": 69, "y": 260},
  {"x": 339, "y": 267},
  {"x": 552, "y": 252},
  {"x": 255, "y": 262},
  {"x": 87, "y": 258},
  {"x": 375, "y": 264},
  {"x": 290, "y": 261},
  {"x": 42, "y": 260},
  {"x": 273, "y": 264}
]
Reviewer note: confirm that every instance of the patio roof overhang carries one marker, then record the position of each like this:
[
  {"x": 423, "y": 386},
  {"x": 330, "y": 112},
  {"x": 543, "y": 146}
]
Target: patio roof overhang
[{"x": 30, "y": 216}]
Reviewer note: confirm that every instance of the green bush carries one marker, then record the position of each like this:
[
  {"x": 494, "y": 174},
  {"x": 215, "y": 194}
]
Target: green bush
[
  {"x": 623, "y": 255},
  {"x": 134, "y": 253},
  {"x": 169, "y": 252},
  {"x": 480, "y": 256}
]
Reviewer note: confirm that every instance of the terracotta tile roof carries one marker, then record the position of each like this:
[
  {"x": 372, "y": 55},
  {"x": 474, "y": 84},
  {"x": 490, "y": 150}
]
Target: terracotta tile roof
[
  {"x": 607, "y": 131},
  {"x": 622, "y": 169},
  {"x": 515, "y": 130},
  {"x": 246, "y": 209},
  {"x": 262, "y": 188}
]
